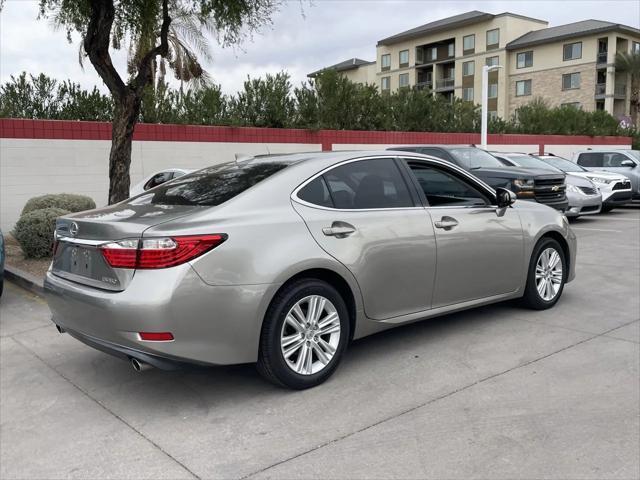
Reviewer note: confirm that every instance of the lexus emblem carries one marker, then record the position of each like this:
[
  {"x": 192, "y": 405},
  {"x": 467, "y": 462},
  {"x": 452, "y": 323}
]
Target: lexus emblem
[{"x": 73, "y": 229}]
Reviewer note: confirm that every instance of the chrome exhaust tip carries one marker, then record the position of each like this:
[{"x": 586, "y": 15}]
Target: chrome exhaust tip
[
  {"x": 60, "y": 329},
  {"x": 139, "y": 366}
]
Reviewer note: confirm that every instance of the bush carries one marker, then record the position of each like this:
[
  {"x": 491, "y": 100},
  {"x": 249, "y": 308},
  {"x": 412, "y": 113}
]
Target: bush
[
  {"x": 64, "y": 201},
  {"x": 34, "y": 231}
]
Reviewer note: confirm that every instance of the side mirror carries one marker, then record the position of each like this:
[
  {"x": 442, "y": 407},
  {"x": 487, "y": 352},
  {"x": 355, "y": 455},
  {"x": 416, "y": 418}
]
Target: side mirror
[
  {"x": 505, "y": 197},
  {"x": 628, "y": 163}
]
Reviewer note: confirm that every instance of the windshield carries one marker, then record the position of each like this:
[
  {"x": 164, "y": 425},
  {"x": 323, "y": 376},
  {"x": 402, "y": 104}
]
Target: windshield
[
  {"x": 211, "y": 186},
  {"x": 563, "y": 164},
  {"x": 530, "y": 162},
  {"x": 634, "y": 153},
  {"x": 472, "y": 158}
]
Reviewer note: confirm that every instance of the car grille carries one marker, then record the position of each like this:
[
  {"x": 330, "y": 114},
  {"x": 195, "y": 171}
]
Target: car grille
[
  {"x": 550, "y": 190},
  {"x": 588, "y": 190},
  {"x": 622, "y": 185}
]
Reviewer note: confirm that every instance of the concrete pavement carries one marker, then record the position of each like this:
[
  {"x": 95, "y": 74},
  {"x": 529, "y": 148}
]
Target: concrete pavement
[{"x": 496, "y": 392}]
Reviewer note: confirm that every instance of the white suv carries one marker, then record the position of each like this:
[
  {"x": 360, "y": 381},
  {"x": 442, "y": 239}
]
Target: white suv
[
  {"x": 621, "y": 162},
  {"x": 615, "y": 188}
]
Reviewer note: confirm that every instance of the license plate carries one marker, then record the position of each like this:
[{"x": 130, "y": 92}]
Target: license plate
[{"x": 81, "y": 261}]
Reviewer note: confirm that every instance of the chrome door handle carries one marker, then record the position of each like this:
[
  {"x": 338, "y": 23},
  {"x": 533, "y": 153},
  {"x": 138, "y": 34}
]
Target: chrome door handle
[
  {"x": 339, "y": 230},
  {"x": 446, "y": 223}
]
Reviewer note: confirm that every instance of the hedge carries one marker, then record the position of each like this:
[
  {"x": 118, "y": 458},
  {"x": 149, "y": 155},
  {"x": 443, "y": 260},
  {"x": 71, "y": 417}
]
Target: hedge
[
  {"x": 65, "y": 201},
  {"x": 34, "y": 231}
]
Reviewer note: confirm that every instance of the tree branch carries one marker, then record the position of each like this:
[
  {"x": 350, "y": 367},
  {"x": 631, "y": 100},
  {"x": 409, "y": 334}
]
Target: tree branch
[
  {"x": 144, "y": 75},
  {"x": 96, "y": 44}
]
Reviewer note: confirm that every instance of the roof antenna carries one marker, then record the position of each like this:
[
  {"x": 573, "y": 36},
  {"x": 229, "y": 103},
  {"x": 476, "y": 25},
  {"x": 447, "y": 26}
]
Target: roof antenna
[{"x": 268, "y": 151}]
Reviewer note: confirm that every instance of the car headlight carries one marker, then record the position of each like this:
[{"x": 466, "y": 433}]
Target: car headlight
[
  {"x": 523, "y": 184},
  {"x": 573, "y": 188},
  {"x": 605, "y": 181}
]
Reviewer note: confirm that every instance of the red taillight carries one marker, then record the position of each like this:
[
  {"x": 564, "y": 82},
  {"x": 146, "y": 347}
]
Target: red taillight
[
  {"x": 156, "y": 336},
  {"x": 159, "y": 252}
]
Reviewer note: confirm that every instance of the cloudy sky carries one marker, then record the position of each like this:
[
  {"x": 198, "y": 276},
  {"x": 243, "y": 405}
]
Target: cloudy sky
[{"x": 304, "y": 37}]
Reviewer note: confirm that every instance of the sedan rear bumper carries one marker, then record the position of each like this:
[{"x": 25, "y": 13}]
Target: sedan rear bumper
[{"x": 217, "y": 325}]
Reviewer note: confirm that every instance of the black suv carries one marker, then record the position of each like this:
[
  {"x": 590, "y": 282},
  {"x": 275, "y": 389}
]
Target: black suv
[{"x": 527, "y": 183}]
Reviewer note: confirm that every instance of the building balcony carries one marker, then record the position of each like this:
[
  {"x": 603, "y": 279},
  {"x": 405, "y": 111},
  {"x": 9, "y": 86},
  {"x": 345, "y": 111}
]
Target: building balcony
[
  {"x": 620, "y": 90},
  {"x": 428, "y": 84},
  {"x": 601, "y": 89},
  {"x": 601, "y": 58},
  {"x": 445, "y": 84}
]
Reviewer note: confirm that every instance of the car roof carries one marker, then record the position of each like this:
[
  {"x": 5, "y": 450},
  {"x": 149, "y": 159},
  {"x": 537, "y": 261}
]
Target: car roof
[{"x": 427, "y": 145}]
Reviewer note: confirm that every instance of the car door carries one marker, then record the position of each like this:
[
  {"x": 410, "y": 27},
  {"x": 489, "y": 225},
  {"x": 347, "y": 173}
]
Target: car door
[
  {"x": 480, "y": 248},
  {"x": 362, "y": 213}
]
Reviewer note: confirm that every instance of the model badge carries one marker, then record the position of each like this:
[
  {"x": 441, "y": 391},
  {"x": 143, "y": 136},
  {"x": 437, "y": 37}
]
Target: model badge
[{"x": 73, "y": 229}]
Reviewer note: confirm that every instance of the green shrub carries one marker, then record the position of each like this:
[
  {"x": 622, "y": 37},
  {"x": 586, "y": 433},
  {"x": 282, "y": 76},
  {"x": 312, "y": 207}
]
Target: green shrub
[
  {"x": 34, "y": 231},
  {"x": 64, "y": 201}
]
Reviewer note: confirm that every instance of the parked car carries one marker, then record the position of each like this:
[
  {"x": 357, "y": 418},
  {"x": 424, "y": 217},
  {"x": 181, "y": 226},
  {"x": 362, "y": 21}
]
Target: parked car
[
  {"x": 156, "y": 179},
  {"x": 583, "y": 196},
  {"x": 282, "y": 260},
  {"x": 621, "y": 162},
  {"x": 615, "y": 188},
  {"x": 541, "y": 186},
  {"x": 2, "y": 255}
]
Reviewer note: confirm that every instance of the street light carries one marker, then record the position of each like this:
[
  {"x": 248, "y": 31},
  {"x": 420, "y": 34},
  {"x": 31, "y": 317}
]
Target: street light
[{"x": 485, "y": 99}]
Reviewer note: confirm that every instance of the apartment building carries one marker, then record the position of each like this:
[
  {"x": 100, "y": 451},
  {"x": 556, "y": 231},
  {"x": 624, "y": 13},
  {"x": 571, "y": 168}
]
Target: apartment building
[{"x": 568, "y": 64}]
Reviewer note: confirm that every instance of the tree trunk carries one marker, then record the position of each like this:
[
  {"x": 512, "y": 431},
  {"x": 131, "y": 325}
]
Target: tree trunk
[{"x": 125, "y": 116}]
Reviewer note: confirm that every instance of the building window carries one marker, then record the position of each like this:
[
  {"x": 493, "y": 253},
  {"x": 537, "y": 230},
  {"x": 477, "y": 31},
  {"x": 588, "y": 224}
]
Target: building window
[
  {"x": 491, "y": 61},
  {"x": 385, "y": 84},
  {"x": 493, "y": 39},
  {"x": 385, "y": 61},
  {"x": 572, "y": 51},
  {"x": 635, "y": 47},
  {"x": 468, "y": 68},
  {"x": 523, "y": 88},
  {"x": 468, "y": 44},
  {"x": 434, "y": 53},
  {"x": 493, "y": 90},
  {"x": 524, "y": 60},
  {"x": 404, "y": 58},
  {"x": 404, "y": 80},
  {"x": 573, "y": 105},
  {"x": 451, "y": 49},
  {"x": 467, "y": 94},
  {"x": 493, "y": 115},
  {"x": 571, "y": 81}
]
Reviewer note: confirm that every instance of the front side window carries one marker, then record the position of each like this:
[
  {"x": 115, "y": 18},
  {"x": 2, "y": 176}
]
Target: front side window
[
  {"x": 404, "y": 58},
  {"x": 572, "y": 51},
  {"x": 469, "y": 44},
  {"x": 523, "y": 88},
  {"x": 591, "y": 159},
  {"x": 491, "y": 61},
  {"x": 524, "y": 60},
  {"x": 213, "y": 186},
  {"x": 365, "y": 184},
  {"x": 385, "y": 61},
  {"x": 385, "y": 83},
  {"x": 158, "y": 179},
  {"x": 404, "y": 80},
  {"x": 614, "y": 159},
  {"x": 467, "y": 94},
  {"x": 570, "y": 81},
  {"x": 468, "y": 68},
  {"x": 443, "y": 189},
  {"x": 493, "y": 39},
  {"x": 493, "y": 90}
]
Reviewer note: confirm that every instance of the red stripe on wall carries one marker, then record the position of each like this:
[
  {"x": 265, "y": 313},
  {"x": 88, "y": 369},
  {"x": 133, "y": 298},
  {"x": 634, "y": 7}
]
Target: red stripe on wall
[{"x": 75, "y": 130}]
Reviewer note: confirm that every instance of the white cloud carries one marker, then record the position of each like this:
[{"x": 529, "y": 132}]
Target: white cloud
[{"x": 304, "y": 36}]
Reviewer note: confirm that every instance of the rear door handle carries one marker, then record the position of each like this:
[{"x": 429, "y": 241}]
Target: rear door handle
[
  {"x": 339, "y": 230},
  {"x": 446, "y": 223}
]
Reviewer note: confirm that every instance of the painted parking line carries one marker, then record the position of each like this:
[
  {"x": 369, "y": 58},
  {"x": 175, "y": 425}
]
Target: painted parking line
[{"x": 596, "y": 229}]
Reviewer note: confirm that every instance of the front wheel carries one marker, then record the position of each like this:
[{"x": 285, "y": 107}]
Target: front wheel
[
  {"x": 546, "y": 276},
  {"x": 305, "y": 333}
]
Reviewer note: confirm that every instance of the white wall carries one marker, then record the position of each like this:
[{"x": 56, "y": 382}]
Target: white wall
[{"x": 36, "y": 167}]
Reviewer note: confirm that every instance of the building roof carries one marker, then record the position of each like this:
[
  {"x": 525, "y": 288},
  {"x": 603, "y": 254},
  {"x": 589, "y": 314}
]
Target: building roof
[
  {"x": 350, "y": 64},
  {"x": 570, "y": 30},
  {"x": 449, "y": 23}
]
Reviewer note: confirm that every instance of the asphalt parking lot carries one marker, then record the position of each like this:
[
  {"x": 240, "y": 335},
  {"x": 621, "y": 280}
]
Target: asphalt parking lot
[{"x": 496, "y": 392}]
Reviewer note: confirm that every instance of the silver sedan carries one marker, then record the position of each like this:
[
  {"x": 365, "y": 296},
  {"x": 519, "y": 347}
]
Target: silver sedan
[{"x": 283, "y": 260}]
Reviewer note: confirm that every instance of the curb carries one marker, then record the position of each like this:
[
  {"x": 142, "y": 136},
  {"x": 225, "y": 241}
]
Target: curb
[{"x": 25, "y": 280}]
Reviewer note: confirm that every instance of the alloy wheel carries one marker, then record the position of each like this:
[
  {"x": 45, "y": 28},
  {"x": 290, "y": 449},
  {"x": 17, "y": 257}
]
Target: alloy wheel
[
  {"x": 310, "y": 335},
  {"x": 549, "y": 275}
]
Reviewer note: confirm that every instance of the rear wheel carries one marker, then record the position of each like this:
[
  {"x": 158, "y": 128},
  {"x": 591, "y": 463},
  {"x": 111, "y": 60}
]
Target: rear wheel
[
  {"x": 547, "y": 275},
  {"x": 305, "y": 333}
]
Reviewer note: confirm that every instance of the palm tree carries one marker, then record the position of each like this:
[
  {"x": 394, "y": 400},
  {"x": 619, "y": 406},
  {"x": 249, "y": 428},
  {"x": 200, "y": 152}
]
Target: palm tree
[{"x": 630, "y": 63}]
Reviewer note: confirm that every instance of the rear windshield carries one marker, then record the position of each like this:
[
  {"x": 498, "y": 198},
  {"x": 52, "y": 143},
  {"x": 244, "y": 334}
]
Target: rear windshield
[{"x": 212, "y": 186}]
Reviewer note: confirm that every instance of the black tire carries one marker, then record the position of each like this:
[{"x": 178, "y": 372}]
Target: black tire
[
  {"x": 271, "y": 362},
  {"x": 606, "y": 208},
  {"x": 532, "y": 298}
]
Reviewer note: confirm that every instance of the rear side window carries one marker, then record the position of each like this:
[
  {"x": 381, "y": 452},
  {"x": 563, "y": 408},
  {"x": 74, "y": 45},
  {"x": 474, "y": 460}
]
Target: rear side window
[
  {"x": 316, "y": 192},
  {"x": 375, "y": 183},
  {"x": 593, "y": 159},
  {"x": 215, "y": 185}
]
